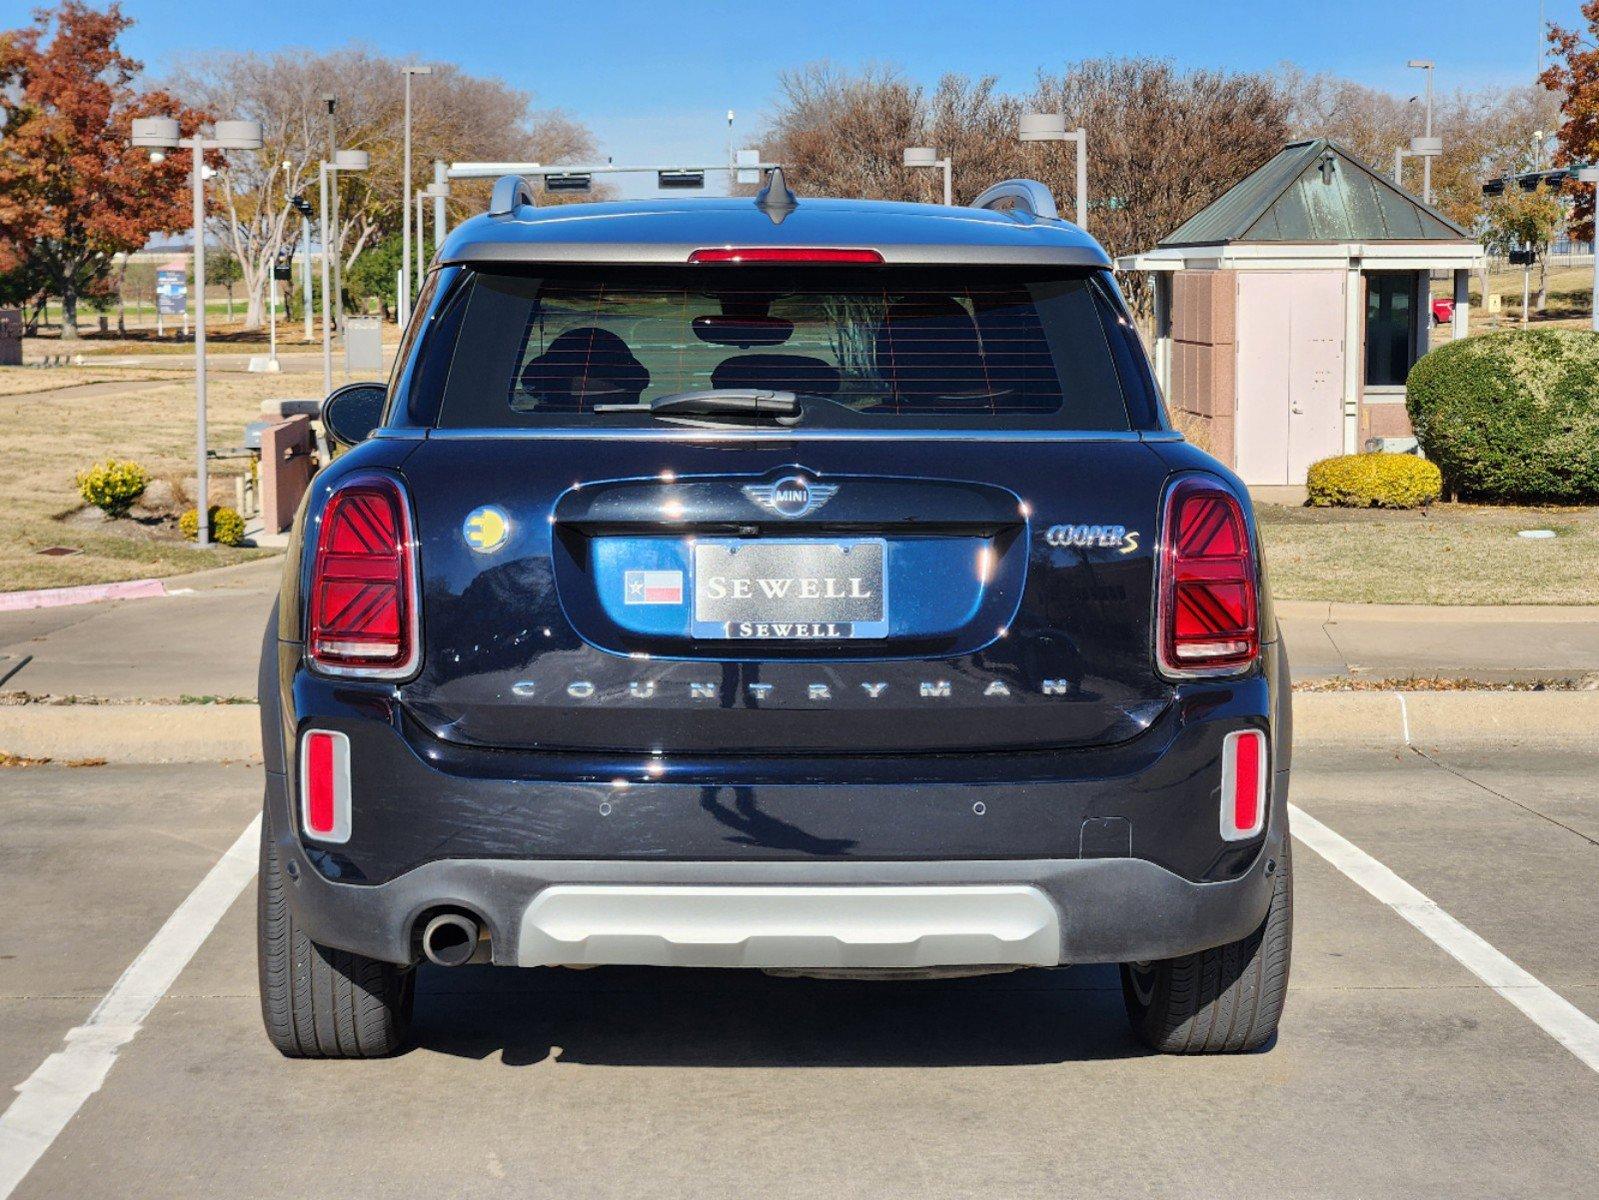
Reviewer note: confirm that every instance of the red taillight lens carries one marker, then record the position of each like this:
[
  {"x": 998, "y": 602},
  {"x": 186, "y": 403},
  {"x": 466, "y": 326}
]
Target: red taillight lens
[
  {"x": 363, "y": 596},
  {"x": 1243, "y": 785},
  {"x": 1209, "y": 619},
  {"x": 325, "y": 786},
  {"x": 783, "y": 254}
]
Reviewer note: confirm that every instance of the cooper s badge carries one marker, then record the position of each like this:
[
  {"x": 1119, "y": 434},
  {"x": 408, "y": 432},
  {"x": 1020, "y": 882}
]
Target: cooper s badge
[
  {"x": 792, "y": 496},
  {"x": 1093, "y": 537}
]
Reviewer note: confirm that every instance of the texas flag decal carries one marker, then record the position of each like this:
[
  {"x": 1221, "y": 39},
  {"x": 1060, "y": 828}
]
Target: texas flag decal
[{"x": 653, "y": 587}]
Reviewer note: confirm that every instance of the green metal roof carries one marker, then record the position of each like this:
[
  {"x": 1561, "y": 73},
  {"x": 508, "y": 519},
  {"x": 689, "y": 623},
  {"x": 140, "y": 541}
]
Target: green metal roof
[{"x": 1315, "y": 191}]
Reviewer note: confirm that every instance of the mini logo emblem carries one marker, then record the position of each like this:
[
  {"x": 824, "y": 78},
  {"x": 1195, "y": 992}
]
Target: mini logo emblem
[
  {"x": 793, "y": 496},
  {"x": 1093, "y": 537},
  {"x": 485, "y": 529},
  {"x": 652, "y": 587}
]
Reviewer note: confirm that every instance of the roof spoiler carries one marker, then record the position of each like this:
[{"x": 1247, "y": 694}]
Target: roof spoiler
[
  {"x": 510, "y": 193},
  {"x": 1019, "y": 195}
]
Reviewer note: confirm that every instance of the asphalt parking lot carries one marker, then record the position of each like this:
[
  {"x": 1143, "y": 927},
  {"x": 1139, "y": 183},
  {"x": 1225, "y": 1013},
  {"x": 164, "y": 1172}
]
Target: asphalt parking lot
[{"x": 1397, "y": 1073}]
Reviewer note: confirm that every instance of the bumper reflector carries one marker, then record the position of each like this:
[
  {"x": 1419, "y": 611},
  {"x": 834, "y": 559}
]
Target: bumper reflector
[
  {"x": 325, "y": 786},
  {"x": 1243, "y": 785}
]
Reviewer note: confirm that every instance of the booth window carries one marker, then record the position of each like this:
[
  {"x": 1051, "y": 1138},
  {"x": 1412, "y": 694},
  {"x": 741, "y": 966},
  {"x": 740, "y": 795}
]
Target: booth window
[{"x": 1390, "y": 327}]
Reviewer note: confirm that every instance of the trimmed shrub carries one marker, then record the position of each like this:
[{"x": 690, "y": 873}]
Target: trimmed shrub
[
  {"x": 1512, "y": 416},
  {"x": 227, "y": 526},
  {"x": 113, "y": 486},
  {"x": 1373, "y": 481}
]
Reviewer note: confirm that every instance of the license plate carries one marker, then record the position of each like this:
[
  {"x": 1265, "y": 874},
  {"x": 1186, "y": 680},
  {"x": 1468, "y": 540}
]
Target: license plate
[{"x": 790, "y": 590}]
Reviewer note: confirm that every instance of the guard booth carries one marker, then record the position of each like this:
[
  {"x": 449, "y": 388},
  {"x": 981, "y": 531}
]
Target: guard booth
[{"x": 1287, "y": 315}]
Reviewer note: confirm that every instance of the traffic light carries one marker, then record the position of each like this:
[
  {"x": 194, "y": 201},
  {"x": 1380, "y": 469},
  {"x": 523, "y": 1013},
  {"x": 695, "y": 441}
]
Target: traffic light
[{"x": 302, "y": 206}]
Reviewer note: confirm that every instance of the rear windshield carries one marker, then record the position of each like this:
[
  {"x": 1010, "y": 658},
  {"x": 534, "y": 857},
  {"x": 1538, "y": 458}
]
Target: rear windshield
[{"x": 893, "y": 348}]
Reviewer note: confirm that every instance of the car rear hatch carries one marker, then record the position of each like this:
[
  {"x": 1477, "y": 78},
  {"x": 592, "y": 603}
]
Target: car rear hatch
[{"x": 934, "y": 557}]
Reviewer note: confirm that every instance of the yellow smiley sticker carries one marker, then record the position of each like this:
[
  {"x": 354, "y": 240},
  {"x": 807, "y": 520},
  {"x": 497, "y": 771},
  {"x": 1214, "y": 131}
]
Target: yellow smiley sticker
[{"x": 486, "y": 528}]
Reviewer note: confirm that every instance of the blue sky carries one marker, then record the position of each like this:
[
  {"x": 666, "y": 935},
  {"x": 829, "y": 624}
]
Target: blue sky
[{"x": 655, "y": 80}]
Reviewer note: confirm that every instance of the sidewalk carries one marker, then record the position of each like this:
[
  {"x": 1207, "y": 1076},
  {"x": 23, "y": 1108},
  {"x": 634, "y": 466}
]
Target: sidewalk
[
  {"x": 1400, "y": 641},
  {"x": 204, "y": 641}
]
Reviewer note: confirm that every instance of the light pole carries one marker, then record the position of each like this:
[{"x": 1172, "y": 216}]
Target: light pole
[
  {"x": 1591, "y": 175},
  {"x": 331, "y": 236},
  {"x": 421, "y": 265},
  {"x": 159, "y": 134},
  {"x": 1425, "y": 152},
  {"x": 440, "y": 191},
  {"x": 1051, "y": 127},
  {"x": 927, "y": 156},
  {"x": 343, "y": 160},
  {"x": 403, "y": 300},
  {"x": 303, "y": 207}
]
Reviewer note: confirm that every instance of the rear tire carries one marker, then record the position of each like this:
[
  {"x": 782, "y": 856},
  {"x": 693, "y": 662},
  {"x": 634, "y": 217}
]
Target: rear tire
[
  {"x": 316, "y": 1001},
  {"x": 1226, "y": 1000}
]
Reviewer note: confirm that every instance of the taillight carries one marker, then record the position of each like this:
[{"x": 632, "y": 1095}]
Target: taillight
[
  {"x": 783, "y": 254},
  {"x": 325, "y": 785},
  {"x": 363, "y": 618},
  {"x": 1209, "y": 612},
  {"x": 1243, "y": 785}
]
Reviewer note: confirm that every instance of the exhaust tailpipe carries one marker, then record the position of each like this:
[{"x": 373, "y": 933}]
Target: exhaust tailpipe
[{"x": 450, "y": 939}]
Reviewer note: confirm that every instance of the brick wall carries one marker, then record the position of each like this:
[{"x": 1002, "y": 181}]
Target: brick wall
[{"x": 1204, "y": 363}]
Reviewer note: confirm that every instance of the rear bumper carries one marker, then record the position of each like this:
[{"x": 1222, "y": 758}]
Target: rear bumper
[{"x": 1038, "y": 912}]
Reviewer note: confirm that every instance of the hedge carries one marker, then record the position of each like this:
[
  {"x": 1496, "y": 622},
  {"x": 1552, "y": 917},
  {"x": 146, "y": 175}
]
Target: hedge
[
  {"x": 1373, "y": 481},
  {"x": 1512, "y": 416},
  {"x": 227, "y": 527}
]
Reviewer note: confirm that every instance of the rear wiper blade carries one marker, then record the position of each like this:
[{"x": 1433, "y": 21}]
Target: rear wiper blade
[{"x": 717, "y": 402}]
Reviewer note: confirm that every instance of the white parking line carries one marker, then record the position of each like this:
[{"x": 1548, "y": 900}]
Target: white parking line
[
  {"x": 1552, "y": 1013},
  {"x": 52, "y": 1095}
]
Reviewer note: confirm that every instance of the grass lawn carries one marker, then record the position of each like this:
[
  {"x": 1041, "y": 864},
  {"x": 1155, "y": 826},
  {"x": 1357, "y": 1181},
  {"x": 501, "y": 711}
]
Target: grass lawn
[
  {"x": 45, "y": 442},
  {"x": 15, "y": 381},
  {"x": 1449, "y": 554}
]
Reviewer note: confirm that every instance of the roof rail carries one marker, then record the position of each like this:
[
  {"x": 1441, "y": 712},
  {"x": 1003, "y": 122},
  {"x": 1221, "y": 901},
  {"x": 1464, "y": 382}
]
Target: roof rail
[
  {"x": 510, "y": 193},
  {"x": 1025, "y": 195}
]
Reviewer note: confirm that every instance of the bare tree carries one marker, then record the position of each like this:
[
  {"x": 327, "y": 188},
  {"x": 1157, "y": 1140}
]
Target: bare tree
[
  {"x": 1486, "y": 131},
  {"x": 842, "y": 134},
  {"x": 454, "y": 116},
  {"x": 1162, "y": 143}
]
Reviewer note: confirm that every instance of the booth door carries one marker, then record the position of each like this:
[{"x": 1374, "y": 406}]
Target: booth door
[{"x": 1290, "y": 373}]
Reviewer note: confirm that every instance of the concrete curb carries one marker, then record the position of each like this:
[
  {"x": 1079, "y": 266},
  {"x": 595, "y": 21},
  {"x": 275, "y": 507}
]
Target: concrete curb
[
  {"x": 1443, "y": 718},
  {"x": 168, "y": 733},
  {"x": 133, "y": 733},
  {"x": 89, "y": 593},
  {"x": 1433, "y": 614}
]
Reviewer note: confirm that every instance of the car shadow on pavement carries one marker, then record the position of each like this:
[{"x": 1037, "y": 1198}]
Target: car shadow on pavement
[{"x": 635, "y": 1016}]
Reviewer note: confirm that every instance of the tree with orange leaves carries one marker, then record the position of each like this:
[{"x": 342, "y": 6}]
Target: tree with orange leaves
[
  {"x": 1575, "y": 74},
  {"x": 73, "y": 193}
]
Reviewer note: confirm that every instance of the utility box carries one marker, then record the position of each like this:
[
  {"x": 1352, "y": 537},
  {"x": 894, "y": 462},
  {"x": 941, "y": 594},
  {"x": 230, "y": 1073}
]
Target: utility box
[
  {"x": 363, "y": 346},
  {"x": 287, "y": 464},
  {"x": 10, "y": 337}
]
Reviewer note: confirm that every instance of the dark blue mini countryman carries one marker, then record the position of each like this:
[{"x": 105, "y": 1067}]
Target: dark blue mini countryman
[{"x": 812, "y": 585}]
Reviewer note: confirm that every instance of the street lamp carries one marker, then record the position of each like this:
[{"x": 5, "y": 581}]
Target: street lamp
[
  {"x": 1426, "y": 147},
  {"x": 404, "y": 298},
  {"x": 435, "y": 192},
  {"x": 328, "y": 173},
  {"x": 1051, "y": 127},
  {"x": 160, "y": 134},
  {"x": 927, "y": 156},
  {"x": 1591, "y": 175},
  {"x": 440, "y": 191}
]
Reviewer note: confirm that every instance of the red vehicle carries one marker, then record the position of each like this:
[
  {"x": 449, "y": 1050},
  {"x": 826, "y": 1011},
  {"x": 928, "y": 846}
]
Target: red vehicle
[{"x": 1443, "y": 311}]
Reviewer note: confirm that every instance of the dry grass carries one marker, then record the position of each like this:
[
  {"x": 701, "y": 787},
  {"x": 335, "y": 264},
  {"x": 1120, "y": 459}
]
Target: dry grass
[
  {"x": 46, "y": 441},
  {"x": 1448, "y": 554},
  {"x": 17, "y": 381}
]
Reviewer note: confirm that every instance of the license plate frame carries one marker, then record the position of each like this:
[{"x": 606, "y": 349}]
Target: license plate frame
[{"x": 798, "y": 567}]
